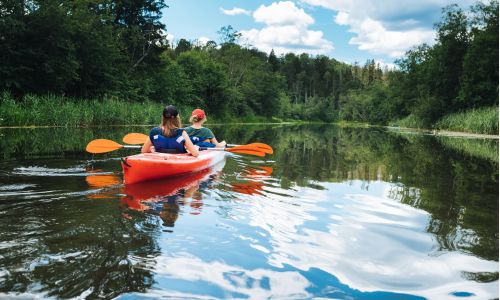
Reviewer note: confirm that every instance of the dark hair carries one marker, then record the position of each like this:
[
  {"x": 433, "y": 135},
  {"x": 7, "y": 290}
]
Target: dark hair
[
  {"x": 170, "y": 111},
  {"x": 170, "y": 120}
]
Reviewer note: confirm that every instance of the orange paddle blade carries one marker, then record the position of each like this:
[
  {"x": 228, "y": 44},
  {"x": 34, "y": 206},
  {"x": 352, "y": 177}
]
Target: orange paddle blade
[
  {"x": 102, "y": 146},
  {"x": 247, "y": 151},
  {"x": 135, "y": 138},
  {"x": 249, "y": 147},
  {"x": 263, "y": 147}
]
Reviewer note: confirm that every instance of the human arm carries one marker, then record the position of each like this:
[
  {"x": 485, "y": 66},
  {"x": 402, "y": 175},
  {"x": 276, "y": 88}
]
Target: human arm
[
  {"x": 211, "y": 138},
  {"x": 147, "y": 147},
  {"x": 217, "y": 144},
  {"x": 189, "y": 145}
]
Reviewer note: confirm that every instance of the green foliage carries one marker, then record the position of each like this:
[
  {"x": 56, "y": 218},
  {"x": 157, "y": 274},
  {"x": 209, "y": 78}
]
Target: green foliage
[
  {"x": 480, "y": 148},
  {"x": 483, "y": 120},
  {"x": 51, "y": 110},
  {"x": 479, "y": 82},
  {"x": 410, "y": 121},
  {"x": 104, "y": 49},
  {"x": 79, "y": 48}
]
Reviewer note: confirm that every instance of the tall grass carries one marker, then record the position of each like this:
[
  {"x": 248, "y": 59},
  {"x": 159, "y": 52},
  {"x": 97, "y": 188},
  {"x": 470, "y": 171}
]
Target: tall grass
[
  {"x": 410, "y": 121},
  {"x": 51, "y": 110},
  {"x": 482, "y": 120}
]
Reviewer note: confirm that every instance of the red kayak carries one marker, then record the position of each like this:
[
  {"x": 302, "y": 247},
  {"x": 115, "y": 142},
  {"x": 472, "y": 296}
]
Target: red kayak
[{"x": 150, "y": 166}]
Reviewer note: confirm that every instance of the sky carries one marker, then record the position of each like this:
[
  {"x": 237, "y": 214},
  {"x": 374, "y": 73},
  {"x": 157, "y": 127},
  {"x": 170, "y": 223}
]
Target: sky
[{"x": 347, "y": 30}]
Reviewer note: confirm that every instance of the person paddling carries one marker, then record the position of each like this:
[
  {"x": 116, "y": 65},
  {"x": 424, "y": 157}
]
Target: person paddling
[
  {"x": 169, "y": 137},
  {"x": 202, "y": 136}
]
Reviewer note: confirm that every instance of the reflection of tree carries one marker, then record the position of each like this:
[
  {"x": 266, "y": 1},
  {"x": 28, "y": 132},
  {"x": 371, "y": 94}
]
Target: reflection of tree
[
  {"x": 37, "y": 142},
  {"x": 93, "y": 248},
  {"x": 459, "y": 191},
  {"x": 74, "y": 247}
]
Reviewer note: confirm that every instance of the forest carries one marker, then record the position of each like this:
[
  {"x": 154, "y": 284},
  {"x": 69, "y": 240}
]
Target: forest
[{"x": 77, "y": 55}]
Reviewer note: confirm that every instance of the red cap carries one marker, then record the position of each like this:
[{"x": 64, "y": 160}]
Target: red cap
[{"x": 199, "y": 113}]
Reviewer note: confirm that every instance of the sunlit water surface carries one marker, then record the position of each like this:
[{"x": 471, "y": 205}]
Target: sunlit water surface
[{"x": 350, "y": 213}]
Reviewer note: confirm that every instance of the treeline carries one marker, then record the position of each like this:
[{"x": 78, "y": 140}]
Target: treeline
[{"x": 106, "y": 49}]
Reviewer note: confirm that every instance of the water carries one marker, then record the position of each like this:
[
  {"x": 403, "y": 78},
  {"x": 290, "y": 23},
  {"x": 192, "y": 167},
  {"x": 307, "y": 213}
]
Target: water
[{"x": 344, "y": 213}]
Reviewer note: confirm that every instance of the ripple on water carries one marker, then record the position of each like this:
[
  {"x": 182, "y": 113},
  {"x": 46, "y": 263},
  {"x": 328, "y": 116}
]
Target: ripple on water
[{"x": 44, "y": 171}]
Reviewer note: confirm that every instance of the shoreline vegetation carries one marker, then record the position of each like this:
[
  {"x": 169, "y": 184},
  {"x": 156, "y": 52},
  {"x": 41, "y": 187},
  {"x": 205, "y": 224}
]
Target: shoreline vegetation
[
  {"x": 56, "y": 111},
  {"x": 108, "y": 62}
]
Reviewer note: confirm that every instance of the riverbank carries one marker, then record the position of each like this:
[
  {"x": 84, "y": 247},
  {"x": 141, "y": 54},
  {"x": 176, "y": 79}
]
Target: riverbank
[
  {"x": 59, "y": 111},
  {"x": 445, "y": 133},
  {"x": 483, "y": 120}
]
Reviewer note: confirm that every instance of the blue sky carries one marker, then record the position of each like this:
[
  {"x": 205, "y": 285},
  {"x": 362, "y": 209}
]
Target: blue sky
[{"x": 347, "y": 30}]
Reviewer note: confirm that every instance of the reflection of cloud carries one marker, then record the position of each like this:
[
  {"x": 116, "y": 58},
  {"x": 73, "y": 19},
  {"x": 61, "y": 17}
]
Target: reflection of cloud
[
  {"x": 256, "y": 284},
  {"x": 371, "y": 243}
]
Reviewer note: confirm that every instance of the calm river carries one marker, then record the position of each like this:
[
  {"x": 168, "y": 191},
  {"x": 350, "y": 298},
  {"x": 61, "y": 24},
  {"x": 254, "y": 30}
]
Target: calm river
[{"x": 344, "y": 213}]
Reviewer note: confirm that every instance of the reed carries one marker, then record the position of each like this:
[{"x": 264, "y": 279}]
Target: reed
[
  {"x": 53, "y": 110},
  {"x": 481, "y": 120},
  {"x": 410, "y": 121}
]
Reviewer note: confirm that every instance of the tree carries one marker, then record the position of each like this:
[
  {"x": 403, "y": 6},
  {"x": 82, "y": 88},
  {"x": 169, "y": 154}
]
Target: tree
[
  {"x": 228, "y": 35},
  {"x": 273, "y": 61},
  {"x": 479, "y": 81}
]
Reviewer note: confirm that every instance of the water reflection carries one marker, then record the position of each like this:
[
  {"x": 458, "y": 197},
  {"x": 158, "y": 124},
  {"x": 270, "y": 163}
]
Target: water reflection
[
  {"x": 346, "y": 213},
  {"x": 165, "y": 196}
]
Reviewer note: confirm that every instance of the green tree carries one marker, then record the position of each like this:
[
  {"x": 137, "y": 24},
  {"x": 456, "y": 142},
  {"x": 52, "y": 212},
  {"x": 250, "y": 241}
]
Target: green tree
[{"x": 479, "y": 81}]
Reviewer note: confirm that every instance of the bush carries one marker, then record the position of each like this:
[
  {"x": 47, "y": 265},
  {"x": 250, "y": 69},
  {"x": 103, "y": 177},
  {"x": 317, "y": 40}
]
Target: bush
[{"x": 482, "y": 120}]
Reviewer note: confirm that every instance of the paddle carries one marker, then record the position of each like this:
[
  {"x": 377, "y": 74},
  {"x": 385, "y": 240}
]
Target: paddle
[
  {"x": 261, "y": 146},
  {"x": 104, "y": 146},
  {"x": 140, "y": 138},
  {"x": 135, "y": 138}
]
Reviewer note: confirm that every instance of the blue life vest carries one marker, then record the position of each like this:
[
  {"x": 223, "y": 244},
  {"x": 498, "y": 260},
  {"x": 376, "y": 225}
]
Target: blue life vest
[{"x": 174, "y": 143}]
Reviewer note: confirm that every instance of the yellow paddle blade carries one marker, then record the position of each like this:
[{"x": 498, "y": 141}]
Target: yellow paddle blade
[
  {"x": 135, "y": 138},
  {"x": 102, "y": 146}
]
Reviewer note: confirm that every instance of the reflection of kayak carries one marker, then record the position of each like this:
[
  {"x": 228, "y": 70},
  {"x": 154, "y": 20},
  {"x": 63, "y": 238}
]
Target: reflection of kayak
[
  {"x": 150, "y": 166},
  {"x": 159, "y": 190},
  {"x": 164, "y": 187},
  {"x": 255, "y": 185}
]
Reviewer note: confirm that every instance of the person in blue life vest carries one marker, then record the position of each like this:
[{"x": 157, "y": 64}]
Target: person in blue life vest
[
  {"x": 170, "y": 137},
  {"x": 202, "y": 136}
]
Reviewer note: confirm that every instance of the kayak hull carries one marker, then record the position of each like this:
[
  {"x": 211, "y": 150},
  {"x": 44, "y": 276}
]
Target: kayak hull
[{"x": 151, "y": 166}]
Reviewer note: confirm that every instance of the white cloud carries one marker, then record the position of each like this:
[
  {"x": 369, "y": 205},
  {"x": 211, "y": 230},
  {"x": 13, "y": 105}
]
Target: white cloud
[
  {"x": 286, "y": 30},
  {"x": 342, "y": 18},
  {"x": 170, "y": 37},
  {"x": 203, "y": 40},
  {"x": 388, "y": 27},
  {"x": 375, "y": 38},
  {"x": 235, "y": 11},
  {"x": 282, "y": 13}
]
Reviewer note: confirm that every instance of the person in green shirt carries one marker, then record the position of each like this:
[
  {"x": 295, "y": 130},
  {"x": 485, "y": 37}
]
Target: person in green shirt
[{"x": 205, "y": 135}]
